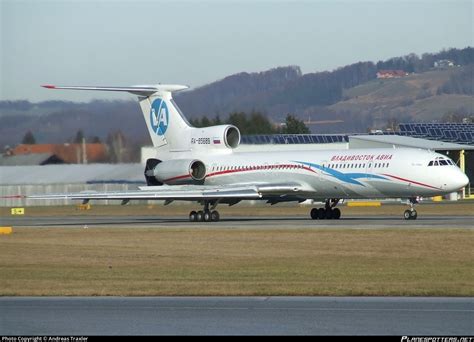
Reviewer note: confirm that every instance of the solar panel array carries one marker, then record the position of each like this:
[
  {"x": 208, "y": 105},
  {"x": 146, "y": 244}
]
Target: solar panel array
[
  {"x": 461, "y": 133},
  {"x": 294, "y": 139},
  {"x": 449, "y": 132}
]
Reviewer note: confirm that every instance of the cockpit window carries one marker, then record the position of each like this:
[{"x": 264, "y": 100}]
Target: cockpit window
[{"x": 440, "y": 161}]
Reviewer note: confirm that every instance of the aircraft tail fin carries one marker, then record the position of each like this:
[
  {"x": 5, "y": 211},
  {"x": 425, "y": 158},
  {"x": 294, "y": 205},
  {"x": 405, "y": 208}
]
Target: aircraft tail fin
[{"x": 166, "y": 124}]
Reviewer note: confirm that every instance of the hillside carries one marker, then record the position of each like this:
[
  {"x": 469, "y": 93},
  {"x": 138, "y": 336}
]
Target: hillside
[
  {"x": 351, "y": 97},
  {"x": 417, "y": 97}
]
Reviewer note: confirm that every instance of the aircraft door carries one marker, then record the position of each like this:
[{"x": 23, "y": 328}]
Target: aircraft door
[{"x": 322, "y": 172}]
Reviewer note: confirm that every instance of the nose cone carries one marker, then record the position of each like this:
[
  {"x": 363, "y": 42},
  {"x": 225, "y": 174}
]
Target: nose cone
[
  {"x": 463, "y": 180},
  {"x": 458, "y": 181},
  {"x": 454, "y": 180}
]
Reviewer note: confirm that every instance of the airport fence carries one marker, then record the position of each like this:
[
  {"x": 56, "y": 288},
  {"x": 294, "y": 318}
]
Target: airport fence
[{"x": 10, "y": 194}]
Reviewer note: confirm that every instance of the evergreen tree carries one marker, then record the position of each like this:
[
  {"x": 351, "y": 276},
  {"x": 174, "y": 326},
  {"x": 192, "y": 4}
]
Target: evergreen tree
[
  {"x": 294, "y": 126},
  {"x": 29, "y": 138},
  {"x": 79, "y": 137},
  {"x": 96, "y": 140},
  {"x": 217, "y": 121},
  {"x": 205, "y": 122},
  {"x": 255, "y": 123}
]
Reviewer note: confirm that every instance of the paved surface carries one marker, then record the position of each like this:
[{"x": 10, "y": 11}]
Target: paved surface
[
  {"x": 236, "y": 315},
  {"x": 242, "y": 222}
]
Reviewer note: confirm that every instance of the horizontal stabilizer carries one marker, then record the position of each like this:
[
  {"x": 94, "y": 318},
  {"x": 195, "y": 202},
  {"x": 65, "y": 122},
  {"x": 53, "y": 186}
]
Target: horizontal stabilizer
[{"x": 144, "y": 90}]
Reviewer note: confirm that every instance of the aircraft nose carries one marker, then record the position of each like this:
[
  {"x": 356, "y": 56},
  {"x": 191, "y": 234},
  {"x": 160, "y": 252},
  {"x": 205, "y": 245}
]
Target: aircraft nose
[
  {"x": 456, "y": 181},
  {"x": 459, "y": 180}
]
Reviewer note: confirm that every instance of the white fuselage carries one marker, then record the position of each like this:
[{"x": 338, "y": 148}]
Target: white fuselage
[
  {"x": 205, "y": 156},
  {"x": 358, "y": 173}
]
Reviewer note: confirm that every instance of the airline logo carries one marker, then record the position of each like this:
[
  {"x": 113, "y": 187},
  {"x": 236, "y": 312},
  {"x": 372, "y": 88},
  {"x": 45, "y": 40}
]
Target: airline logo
[{"x": 159, "y": 117}]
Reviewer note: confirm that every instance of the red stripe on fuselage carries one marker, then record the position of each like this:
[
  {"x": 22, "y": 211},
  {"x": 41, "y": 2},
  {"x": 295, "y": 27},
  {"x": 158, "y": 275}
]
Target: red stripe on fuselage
[
  {"x": 254, "y": 168},
  {"x": 259, "y": 168},
  {"x": 411, "y": 181}
]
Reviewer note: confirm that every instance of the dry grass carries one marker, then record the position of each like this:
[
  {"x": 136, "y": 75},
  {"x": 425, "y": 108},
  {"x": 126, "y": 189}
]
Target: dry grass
[{"x": 236, "y": 262}]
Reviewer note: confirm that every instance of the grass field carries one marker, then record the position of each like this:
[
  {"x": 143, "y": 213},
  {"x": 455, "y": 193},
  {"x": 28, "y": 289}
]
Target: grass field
[{"x": 136, "y": 262}]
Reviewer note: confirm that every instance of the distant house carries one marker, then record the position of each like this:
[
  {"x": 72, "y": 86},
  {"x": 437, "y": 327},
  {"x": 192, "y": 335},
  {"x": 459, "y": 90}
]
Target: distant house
[
  {"x": 391, "y": 73},
  {"x": 443, "y": 63},
  {"x": 68, "y": 153}
]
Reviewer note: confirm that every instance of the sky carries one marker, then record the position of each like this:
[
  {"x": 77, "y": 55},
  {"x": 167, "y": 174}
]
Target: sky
[{"x": 195, "y": 42}]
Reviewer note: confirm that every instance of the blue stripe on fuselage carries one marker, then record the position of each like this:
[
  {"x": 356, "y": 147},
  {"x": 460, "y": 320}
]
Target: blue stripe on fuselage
[{"x": 345, "y": 177}]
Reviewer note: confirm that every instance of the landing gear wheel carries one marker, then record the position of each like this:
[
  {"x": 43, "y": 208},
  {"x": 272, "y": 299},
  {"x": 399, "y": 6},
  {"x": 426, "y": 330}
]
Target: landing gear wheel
[
  {"x": 336, "y": 213},
  {"x": 314, "y": 213},
  {"x": 192, "y": 216},
  {"x": 410, "y": 214},
  {"x": 328, "y": 213},
  {"x": 321, "y": 214},
  {"x": 215, "y": 216},
  {"x": 206, "y": 216},
  {"x": 200, "y": 216}
]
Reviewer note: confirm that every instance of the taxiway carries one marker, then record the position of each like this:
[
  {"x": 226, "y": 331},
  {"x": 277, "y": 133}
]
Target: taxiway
[{"x": 236, "y": 315}]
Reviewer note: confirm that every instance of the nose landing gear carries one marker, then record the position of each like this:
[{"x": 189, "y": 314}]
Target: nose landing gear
[{"x": 411, "y": 214}]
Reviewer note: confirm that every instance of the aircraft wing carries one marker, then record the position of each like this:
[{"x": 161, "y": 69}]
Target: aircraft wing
[{"x": 185, "y": 192}]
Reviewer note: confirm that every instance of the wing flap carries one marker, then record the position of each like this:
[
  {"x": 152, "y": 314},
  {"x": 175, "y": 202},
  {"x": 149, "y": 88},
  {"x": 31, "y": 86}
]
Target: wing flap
[{"x": 157, "y": 195}]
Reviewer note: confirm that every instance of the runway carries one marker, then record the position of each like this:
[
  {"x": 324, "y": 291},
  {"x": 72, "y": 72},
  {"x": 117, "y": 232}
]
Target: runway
[
  {"x": 147, "y": 221},
  {"x": 236, "y": 315}
]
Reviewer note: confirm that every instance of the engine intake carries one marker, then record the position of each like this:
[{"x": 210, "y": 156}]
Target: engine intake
[{"x": 232, "y": 136}]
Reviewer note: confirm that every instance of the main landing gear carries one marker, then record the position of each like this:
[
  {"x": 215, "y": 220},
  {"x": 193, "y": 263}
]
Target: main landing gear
[
  {"x": 411, "y": 214},
  {"x": 206, "y": 215},
  {"x": 328, "y": 212}
]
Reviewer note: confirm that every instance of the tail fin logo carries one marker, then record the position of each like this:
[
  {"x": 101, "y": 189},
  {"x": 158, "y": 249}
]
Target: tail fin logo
[{"x": 159, "y": 117}]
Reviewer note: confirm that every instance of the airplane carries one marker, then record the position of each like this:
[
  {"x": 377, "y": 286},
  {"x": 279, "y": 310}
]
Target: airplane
[{"x": 202, "y": 165}]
